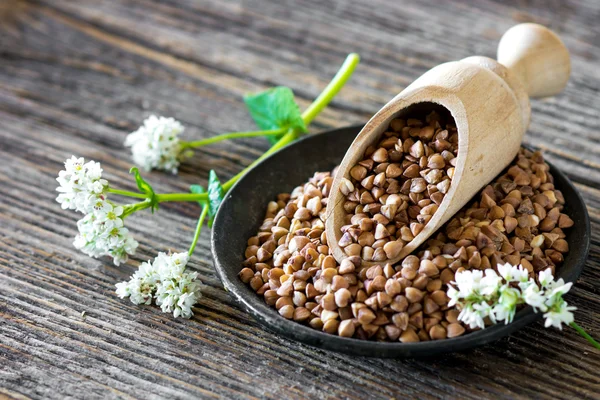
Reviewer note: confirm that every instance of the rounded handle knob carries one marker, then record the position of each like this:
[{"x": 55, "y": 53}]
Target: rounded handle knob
[{"x": 537, "y": 56}]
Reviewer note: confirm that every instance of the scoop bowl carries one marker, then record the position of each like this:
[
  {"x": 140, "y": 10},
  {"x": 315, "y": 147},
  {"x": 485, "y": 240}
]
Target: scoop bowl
[{"x": 242, "y": 212}]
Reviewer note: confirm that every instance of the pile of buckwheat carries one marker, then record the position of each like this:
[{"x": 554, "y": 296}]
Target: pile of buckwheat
[
  {"x": 516, "y": 219},
  {"x": 395, "y": 190}
]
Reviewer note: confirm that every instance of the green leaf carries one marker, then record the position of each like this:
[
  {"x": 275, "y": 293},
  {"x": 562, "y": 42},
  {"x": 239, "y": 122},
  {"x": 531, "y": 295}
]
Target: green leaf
[
  {"x": 215, "y": 196},
  {"x": 275, "y": 108},
  {"x": 145, "y": 188}
]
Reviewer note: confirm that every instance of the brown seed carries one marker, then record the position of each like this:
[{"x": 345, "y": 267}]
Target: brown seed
[
  {"x": 346, "y": 267},
  {"x": 256, "y": 282},
  {"x": 418, "y": 185},
  {"x": 287, "y": 311},
  {"x": 393, "y": 248},
  {"x": 564, "y": 221},
  {"x": 381, "y": 232},
  {"x": 392, "y": 332},
  {"x": 246, "y": 274},
  {"x": 346, "y": 328},
  {"x": 339, "y": 282},
  {"x": 428, "y": 268},
  {"x": 366, "y": 239},
  {"x": 298, "y": 242},
  {"x": 436, "y": 161},
  {"x": 286, "y": 289},
  {"x": 352, "y": 250},
  {"x": 393, "y": 287},
  {"x": 327, "y": 315},
  {"x": 399, "y": 303},
  {"x": 328, "y": 302},
  {"x": 380, "y": 155},
  {"x": 400, "y": 320},
  {"x": 331, "y": 326},
  {"x": 358, "y": 172},
  {"x": 346, "y": 186},
  {"x": 417, "y": 150},
  {"x": 299, "y": 299},
  {"x": 454, "y": 330},
  {"x": 561, "y": 245},
  {"x": 301, "y": 314},
  {"x": 316, "y": 323},
  {"x": 409, "y": 336},
  {"x": 437, "y": 332},
  {"x": 430, "y": 306},
  {"x": 439, "y": 297},
  {"x": 342, "y": 297},
  {"x": 413, "y": 295},
  {"x": 365, "y": 316},
  {"x": 378, "y": 283}
]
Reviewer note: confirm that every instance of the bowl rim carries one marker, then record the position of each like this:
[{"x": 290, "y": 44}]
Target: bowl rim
[{"x": 271, "y": 320}]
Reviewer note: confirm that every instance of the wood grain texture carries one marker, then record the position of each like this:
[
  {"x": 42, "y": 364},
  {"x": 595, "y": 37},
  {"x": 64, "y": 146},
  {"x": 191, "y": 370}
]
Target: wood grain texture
[{"x": 77, "y": 76}]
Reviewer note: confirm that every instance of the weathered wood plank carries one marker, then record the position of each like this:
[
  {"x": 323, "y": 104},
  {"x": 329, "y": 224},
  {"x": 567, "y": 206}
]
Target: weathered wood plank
[{"x": 76, "y": 77}]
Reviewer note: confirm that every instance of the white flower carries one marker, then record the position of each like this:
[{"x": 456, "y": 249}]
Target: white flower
[
  {"x": 558, "y": 288},
  {"x": 155, "y": 144},
  {"x": 513, "y": 273},
  {"x": 506, "y": 305},
  {"x": 174, "y": 289},
  {"x": 110, "y": 216},
  {"x": 453, "y": 295},
  {"x": 468, "y": 282},
  {"x": 81, "y": 185},
  {"x": 490, "y": 284},
  {"x": 474, "y": 314},
  {"x": 100, "y": 235},
  {"x": 178, "y": 290},
  {"x": 534, "y": 297},
  {"x": 545, "y": 278},
  {"x": 142, "y": 285},
  {"x": 558, "y": 315}
]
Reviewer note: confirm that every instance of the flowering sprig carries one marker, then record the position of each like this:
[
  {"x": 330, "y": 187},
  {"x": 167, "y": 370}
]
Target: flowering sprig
[
  {"x": 482, "y": 295},
  {"x": 157, "y": 145},
  {"x": 101, "y": 230},
  {"x": 166, "y": 281}
]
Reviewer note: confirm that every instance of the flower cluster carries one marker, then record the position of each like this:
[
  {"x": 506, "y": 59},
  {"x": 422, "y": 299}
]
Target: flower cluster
[
  {"x": 487, "y": 294},
  {"x": 101, "y": 230},
  {"x": 166, "y": 280},
  {"x": 155, "y": 144},
  {"x": 81, "y": 185}
]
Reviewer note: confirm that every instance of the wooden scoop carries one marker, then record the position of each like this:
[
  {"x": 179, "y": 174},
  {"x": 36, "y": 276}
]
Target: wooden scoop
[{"x": 489, "y": 101}]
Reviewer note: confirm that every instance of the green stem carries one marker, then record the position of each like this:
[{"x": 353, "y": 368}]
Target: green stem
[
  {"x": 198, "y": 230},
  {"x": 232, "y": 135},
  {"x": 583, "y": 333},
  {"x": 338, "y": 81},
  {"x": 286, "y": 139},
  {"x": 127, "y": 193},
  {"x": 131, "y": 208},
  {"x": 161, "y": 198},
  {"x": 308, "y": 115}
]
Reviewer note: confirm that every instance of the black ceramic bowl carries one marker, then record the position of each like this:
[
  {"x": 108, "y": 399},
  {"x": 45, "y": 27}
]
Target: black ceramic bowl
[{"x": 242, "y": 212}]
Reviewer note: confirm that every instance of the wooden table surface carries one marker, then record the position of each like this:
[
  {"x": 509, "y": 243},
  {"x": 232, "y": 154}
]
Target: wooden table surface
[{"x": 77, "y": 76}]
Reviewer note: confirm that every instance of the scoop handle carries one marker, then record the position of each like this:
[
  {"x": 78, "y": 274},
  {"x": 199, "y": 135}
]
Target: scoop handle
[{"x": 538, "y": 57}]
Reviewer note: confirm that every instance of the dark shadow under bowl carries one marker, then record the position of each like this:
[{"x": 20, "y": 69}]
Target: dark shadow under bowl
[{"x": 242, "y": 212}]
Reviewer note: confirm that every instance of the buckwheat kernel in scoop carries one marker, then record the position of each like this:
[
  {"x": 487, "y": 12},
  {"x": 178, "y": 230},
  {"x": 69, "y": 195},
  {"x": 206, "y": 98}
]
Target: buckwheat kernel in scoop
[{"x": 411, "y": 166}]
